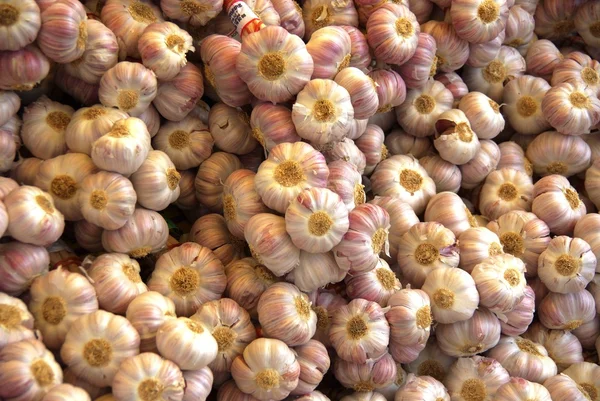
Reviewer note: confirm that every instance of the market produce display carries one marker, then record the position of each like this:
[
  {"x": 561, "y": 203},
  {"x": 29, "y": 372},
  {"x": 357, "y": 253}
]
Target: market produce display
[{"x": 313, "y": 200}]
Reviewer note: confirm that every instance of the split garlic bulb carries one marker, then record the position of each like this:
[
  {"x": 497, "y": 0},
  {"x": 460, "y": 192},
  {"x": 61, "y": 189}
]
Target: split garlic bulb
[
  {"x": 116, "y": 278},
  {"x": 156, "y": 181},
  {"x": 455, "y": 140},
  {"x": 130, "y": 87},
  {"x": 89, "y": 124},
  {"x": 189, "y": 275},
  {"x": 147, "y": 312},
  {"x": 524, "y": 358},
  {"x": 187, "y": 343},
  {"x": 96, "y": 345},
  {"x": 469, "y": 337},
  {"x": 453, "y": 294},
  {"x": 57, "y": 300},
  {"x": 475, "y": 377}
]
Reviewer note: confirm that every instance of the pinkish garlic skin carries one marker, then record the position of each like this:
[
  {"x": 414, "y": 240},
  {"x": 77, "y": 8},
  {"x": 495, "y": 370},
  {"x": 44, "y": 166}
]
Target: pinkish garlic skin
[
  {"x": 567, "y": 311},
  {"x": 452, "y": 51},
  {"x": 360, "y": 55},
  {"x": 63, "y": 32},
  {"x": 562, "y": 346},
  {"x": 518, "y": 320}
]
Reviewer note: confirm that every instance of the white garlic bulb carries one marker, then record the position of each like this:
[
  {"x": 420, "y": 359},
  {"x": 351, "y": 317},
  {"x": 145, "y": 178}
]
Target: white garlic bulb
[
  {"x": 88, "y": 124},
  {"x": 147, "y": 312},
  {"x": 453, "y": 294},
  {"x": 156, "y": 181},
  {"x": 469, "y": 337},
  {"x": 475, "y": 377},
  {"x": 187, "y": 343},
  {"x": 423, "y": 388},
  {"x": 519, "y": 389},
  {"x": 524, "y": 358},
  {"x": 16, "y": 323}
]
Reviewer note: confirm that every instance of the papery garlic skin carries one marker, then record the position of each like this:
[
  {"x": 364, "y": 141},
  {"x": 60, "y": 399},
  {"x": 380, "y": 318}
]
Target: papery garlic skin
[
  {"x": 28, "y": 371},
  {"x": 43, "y": 131},
  {"x": 211, "y": 175},
  {"x": 20, "y": 264},
  {"x": 96, "y": 344},
  {"x": 562, "y": 346},
  {"x": 290, "y": 15},
  {"x": 446, "y": 176},
  {"x": 542, "y": 58},
  {"x": 67, "y": 392},
  {"x": 32, "y": 216},
  {"x": 147, "y": 375},
  {"x": 274, "y": 64},
  {"x": 16, "y": 78},
  {"x": 376, "y": 285},
  {"x": 518, "y": 320},
  {"x": 314, "y": 363},
  {"x": 422, "y": 65},
  {"x": 330, "y": 48},
  {"x": 85, "y": 93},
  {"x": 128, "y": 86},
  {"x": 479, "y": 21},
  {"x": 345, "y": 180},
  {"x": 562, "y": 386},
  {"x": 483, "y": 114},
  {"x": 240, "y": 201},
  {"x": 425, "y": 388},
  {"x": 211, "y": 231},
  {"x": 63, "y": 32},
  {"x": 187, "y": 142},
  {"x": 578, "y": 67},
  {"x": 147, "y": 312},
  {"x": 198, "y": 384},
  {"x": 585, "y": 374},
  {"x": 475, "y": 375},
  {"x": 522, "y": 106},
  {"x": 246, "y": 281},
  {"x": 363, "y": 93},
  {"x": 230, "y": 129},
  {"x": 318, "y": 14},
  {"x": 449, "y": 209},
  {"x": 187, "y": 343},
  {"x": 145, "y": 232},
  {"x": 124, "y": 148},
  {"x": 519, "y": 389},
  {"x": 524, "y": 358},
  {"x": 10, "y": 103},
  {"x": 453, "y": 294},
  {"x": 195, "y": 12},
  {"x": 21, "y": 24},
  {"x": 431, "y": 361},
  {"x": 567, "y": 265},
  {"x": 88, "y": 124},
  {"x": 455, "y": 140},
  {"x": 16, "y": 323},
  {"x": 566, "y": 311},
  {"x": 452, "y": 51},
  {"x": 455, "y": 84},
  {"x": 477, "y": 244},
  {"x": 9, "y": 151},
  {"x": 469, "y": 337},
  {"x": 189, "y": 275},
  {"x": 272, "y": 125},
  {"x": 586, "y": 230},
  {"x": 116, "y": 278},
  {"x": 505, "y": 190},
  {"x": 373, "y": 375},
  {"x": 88, "y": 235},
  {"x": 519, "y": 29},
  {"x": 156, "y": 182},
  {"x": 585, "y": 20},
  {"x": 571, "y": 108},
  {"x": 347, "y": 150}
]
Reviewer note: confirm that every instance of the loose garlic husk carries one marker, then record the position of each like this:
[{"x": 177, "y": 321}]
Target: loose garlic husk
[
  {"x": 163, "y": 47},
  {"x": 363, "y": 92},
  {"x": 147, "y": 376},
  {"x": 323, "y": 112},
  {"x": 542, "y": 58},
  {"x": 571, "y": 108},
  {"x": 475, "y": 377},
  {"x": 128, "y": 86},
  {"x": 33, "y": 217},
  {"x": 452, "y": 51},
  {"x": 290, "y": 168},
  {"x": 210, "y": 178},
  {"x": 265, "y": 64},
  {"x": 15, "y": 77},
  {"x": 57, "y": 300},
  {"x": 522, "y": 235},
  {"x": 28, "y": 371},
  {"x": 246, "y": 281},
  {"x": 187, "y": 343},
  {"x": 96, "y": 344},
  {"x": 316, "y": 220},
  {"x": 176, "y": 98},
  {"x": 566, "y": 311},
  {"x": 431, "y": 362},
  {"x": 145, "y": 232},
  {"x": 448, "y": 209},
  {"x": 211, "y": 231},
  {"x": 124, "y": 148},
  {"x": 455, "y": 140},
  {"x": 426, "y": 247},
  {"x": 10, "y": 103},
  {"x": 44, "y": 124},
  {"x": 524, "y": 358},
  {"x": 376, "y": 285},
  {"x": 585, "y": 374},
  {"x": 422, "y": 65},
  {"x": 147, "y": 312},
  {"x": 491, "y": 78},
  {"x": 62, "y": 177},
  {"x": 446, "y": 176},
  {"x": 479, "y": 21},
  {"x": 483, "y": 114},
  {"x": 522, "y": 106},
  {"x": 189, "y": 275},
  {"x": 485, "y": 161},
  {"x": 116, "y": 279},
  {"x": 505, "y": 190},
  {"x": 346, "y": 181},
  {"x": 16, "y": 323},
  {"x": 519, "y": 389},
  {"x": 468, "y": 337},
  {"x": 403, "y": 178},
  {"x": 314, "y": 363},
  {"x": 423, "y": 388},
  {"x": 475, "y": 245},
  {"x": 453, "y": 294},
  {"x": 89, "y": 124},
  {"x": 418, "y": 113},
  {"x": 562, "y": 387},
  {"x": 557, "y": 203},
  {"x": 562, "y": 346},
  {"x": 272, "y": 125},
  {"x": 63, "y": 33},
  {"x": 285, "y": 314},
  {"x": 156, "y": 182},
  {"x": 567, "y": 265},
  {"x": 501, "y": 283},
  {"x": 270, "y": 244},
  {"x": 268, "y": 370},
  {"x": 519, "y": 319},
  {"x": 409, "y": 318},
  {"x": 230, "y": 129}
]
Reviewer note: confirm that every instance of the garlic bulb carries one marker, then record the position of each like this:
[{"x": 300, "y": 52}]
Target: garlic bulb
[
  {"x": 360, "y": 56},
  {"x": 479, "y": 21},
  {"x": 67, "y": 392},
  {"x": 187, "y": 343},
  {"x": 211, "y": 231},
  {"x": 189, "y": 275},
  {"x": 409, "y": 318},
  {"x": 198, "y": 384},
  {"x": 452, "y": 51},
  {"x": 376, "y": 285},
  {"x": 187, "y": 196},
  {"x": 476, "y": 244},
  {"x": 394, "y": 33},
  {"x": 20, "y": 264},
  {"x": 522, "y": 104},
  {"x": 147, "y": 312},
  {"x": 563, "y": 387},
  {"x": 33, "y": 217},
  {"x": 176, "y": 98},
  {"x": 322, "y": 112},
  {"x": 265, "y": 61},
  {"x": 453, "y": 294},
  {"x": 562, "y": 346},
  {"x": 555, "y": 20},
  {"x": 591, "y": 180},
  {"x": 524, "y": 358},
  {"x": 346, "y": 181},
  {"x": 455, "y": 84},
  {"x": 88, "y": 235},
  {"x": 10, "y": 103},
  {"x": 422, "y": 65},
  {"x": 519, "y": 389},
  {"x": 156, "y": 182},
  {"x": 567, "y": 265},
  {"x": 229, "y": 391},
  {"x": 28, "y": 370},
  {"x": 399, "y": 142},
  {"x": 505, "y": 190},
  {"x": 195, "y": 12},
  {"x": 89, "y": 124},
  {"x": 455, "y": 140},
  {"x": 246, "y": 282},
  {"x": 44, "y": 123},
  {"x": 16, "y": 323},
  {"x": 325, "y": 303},
  {"x": 483, "y": 113},
  {"x": 446, "y": 176},
  {"x": 402, "y": 218},
  {"x": 347, "y": 150},
  {"x": 116, "y": 279},
  {"x": 519, "y": 29},
  {"x": 363, "y": 93},
  {"x": 128, "y": 86},
  {"x": 424, "y": 388},
  {"x": 17, "y": 78},
  {"x": 240, "y": 201},
  {"x": 422, "y": 107},
  {"x": 63, "y": 32},
  {"x": 431, "y": 362},
  {"x": 97, "y": 344},
  {"x": 586, "y": 19},
  {"x": 542, "y": 58},
  {"x": 557, "y": 203},
  {"x": 578, "y": 68},
  {"x": 289, "y": 168},
  {"x": 586, "y": 229},
  {"x": 57, "y": 300},
  {"x": 468, "y": 337},
  {"x": 210, "y": 178},
  {"x": 314, "y": 363},
  {"x": 124, "y": 148},
  {"x": 566, "y": 311},
  {"x": 475, "y": 377},
  {"x": 318, "y": 14},
  {"x": 86, "y": 94},
  {"x": 449, "y": 209},
  {"x": 585, "y": 374},
  {"x": 230, "y": 129},
  {"x": 519, "y": 319},
  {"x": 147, "y": 376},
  {"x": 268, "y": 369},
  {"x": 290, "y": 15},
  {"x": 21, "y": 23},
  {"x": 571, "y": 108},
  {"x": 374, "y": 374},
  {"x": 145, "y": 232},
  {"x": 272, "y": 125}
]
